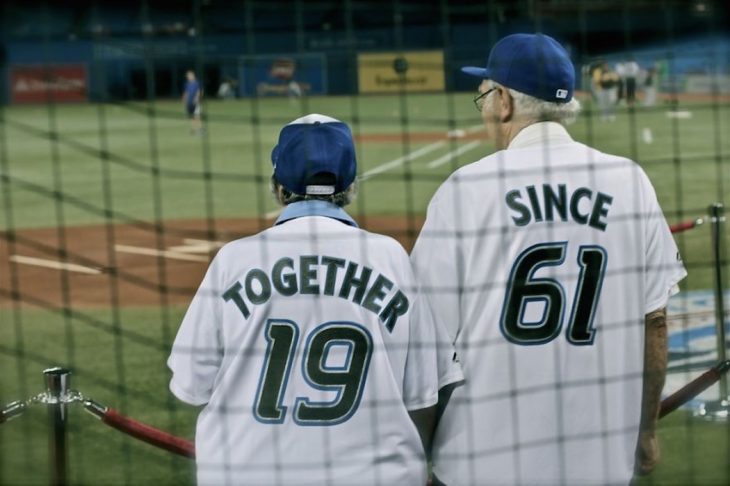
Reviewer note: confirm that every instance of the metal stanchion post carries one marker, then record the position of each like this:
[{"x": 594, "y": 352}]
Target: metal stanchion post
[
  {"x": 57, "y": 385},
  {"x": 718, "y": 410}
]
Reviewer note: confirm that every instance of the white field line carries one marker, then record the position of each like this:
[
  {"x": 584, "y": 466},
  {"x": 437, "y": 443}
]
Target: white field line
[
  {"x": 679, "y": 114},
  {"x": 274, "y": 213},
  {"x": 196, "y": 246},
  {"x": 474, "y": 128},
  {"x": 213, "y": 243},
  {"x": 452, "y": 154},
  {"x": 400, "y": 160},
  {"x": 56, "y": 265},
  {"x": 413, "y": 155},
  {"x": 173, "y": 255}
]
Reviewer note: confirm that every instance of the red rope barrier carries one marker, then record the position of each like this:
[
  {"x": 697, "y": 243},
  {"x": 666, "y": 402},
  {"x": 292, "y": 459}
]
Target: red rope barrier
[
  {"x": 176, "y": 445},
  {"x": 685, "y": 225},
  {"x": 693, "y": 388},
  {"x": 138, "y": 430}
]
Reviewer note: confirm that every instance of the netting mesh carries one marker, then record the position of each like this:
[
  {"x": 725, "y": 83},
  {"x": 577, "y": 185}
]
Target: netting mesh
[{"x": 118, "y": 191}]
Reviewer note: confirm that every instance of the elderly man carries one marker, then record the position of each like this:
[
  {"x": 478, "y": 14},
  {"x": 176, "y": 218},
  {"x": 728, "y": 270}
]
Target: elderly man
[{"x": 551, "y": 265}]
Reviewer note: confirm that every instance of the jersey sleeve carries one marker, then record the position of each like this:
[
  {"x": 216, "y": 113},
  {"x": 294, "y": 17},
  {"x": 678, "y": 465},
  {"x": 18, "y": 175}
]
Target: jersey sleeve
[
  {"x": 436, "y": 262},
  {"x": 431, "y": 363},
  {"x": 197, "y": 351},
  {"x": 664, "y": 267}
]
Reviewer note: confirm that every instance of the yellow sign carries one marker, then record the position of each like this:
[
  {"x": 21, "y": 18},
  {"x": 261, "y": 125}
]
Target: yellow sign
[{"x": 396, "y": 72}]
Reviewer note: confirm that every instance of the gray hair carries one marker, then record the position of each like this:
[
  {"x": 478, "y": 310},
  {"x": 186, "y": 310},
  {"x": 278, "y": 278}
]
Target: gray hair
[
  {"x": 540, "y": 110},
  {"x": 284, "y": 196}
]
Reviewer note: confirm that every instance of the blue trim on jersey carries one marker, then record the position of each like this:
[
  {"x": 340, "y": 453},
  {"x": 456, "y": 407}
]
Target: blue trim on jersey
[{"x": 314, "y": 208}]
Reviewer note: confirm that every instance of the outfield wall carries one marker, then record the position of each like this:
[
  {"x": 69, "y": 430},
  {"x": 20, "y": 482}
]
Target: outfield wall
[{"x": 135, "y": 68}]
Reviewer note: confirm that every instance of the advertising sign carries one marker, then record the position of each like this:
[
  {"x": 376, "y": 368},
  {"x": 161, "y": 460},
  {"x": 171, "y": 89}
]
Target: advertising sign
[
  {"x": 293, "y": 75},
  {"x": 395, "y": 72},
  {"x": 48, "y": 83}
]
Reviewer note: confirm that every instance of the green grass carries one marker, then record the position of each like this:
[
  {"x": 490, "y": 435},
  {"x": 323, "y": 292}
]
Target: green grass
[
  {"x": 120, "y": 359},
  {"x": 681, "y": 161}
]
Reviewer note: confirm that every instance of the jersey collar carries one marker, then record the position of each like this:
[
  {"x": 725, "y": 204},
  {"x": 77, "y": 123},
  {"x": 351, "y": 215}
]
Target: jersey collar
[
  {"x": 540, "y": 133},
  {"x": 314, "y": 208}
]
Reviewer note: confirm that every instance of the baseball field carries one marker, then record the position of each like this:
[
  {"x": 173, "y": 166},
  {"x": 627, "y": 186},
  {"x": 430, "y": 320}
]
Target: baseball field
[{"x": 110, "y": 213}]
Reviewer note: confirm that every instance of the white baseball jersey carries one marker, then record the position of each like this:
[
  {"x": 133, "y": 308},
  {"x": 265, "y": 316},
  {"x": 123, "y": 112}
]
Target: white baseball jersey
[
  {"x": 308, "y": 344},
  {"x": 543, "y": 260}
]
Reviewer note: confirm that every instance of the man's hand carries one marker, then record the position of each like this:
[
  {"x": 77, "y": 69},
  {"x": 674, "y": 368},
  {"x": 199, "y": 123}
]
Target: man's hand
[{"x": 647, "y": 453}]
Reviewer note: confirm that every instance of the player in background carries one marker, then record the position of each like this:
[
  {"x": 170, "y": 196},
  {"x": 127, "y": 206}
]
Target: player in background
[
  {"x": 631, "y": 72},
  {"x": 551, "y": 264},
  {"x": 650, "y": 86},
  {"x": 192, "y": 92},
  {"x": 620, "y": 69},
  {"x": 308, "y": 343},
  {"x": 609, "y": 83}
]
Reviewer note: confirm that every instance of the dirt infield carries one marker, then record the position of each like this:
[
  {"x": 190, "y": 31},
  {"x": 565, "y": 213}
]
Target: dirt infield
[{"x": 130, "y": 265}]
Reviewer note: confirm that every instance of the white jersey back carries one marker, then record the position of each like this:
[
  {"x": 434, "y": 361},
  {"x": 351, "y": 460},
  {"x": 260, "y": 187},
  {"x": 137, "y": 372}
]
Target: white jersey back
[
  {"x": 543, "y": 260},
  {"x": 309, "y": 345}
]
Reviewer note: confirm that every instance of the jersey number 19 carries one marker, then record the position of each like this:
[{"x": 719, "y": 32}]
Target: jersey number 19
[{"x": 346, "y": 381}]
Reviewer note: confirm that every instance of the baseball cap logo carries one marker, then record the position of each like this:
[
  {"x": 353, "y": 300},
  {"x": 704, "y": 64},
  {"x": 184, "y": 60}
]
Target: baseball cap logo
[{"x": 561, "y": 94}]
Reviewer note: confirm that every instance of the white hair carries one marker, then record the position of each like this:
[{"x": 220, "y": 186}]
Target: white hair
[
  {"x": 284, "y": 196},
  {"x": 540, "y": 110}
]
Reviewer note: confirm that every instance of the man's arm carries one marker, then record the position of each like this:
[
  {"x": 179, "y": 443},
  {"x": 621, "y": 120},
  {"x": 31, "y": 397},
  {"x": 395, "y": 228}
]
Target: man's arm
[
  {"x": 425, "y": 420},
  {"x": 655, "y": 370}
]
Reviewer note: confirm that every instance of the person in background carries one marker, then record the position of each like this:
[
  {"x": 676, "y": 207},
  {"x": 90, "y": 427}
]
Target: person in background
[
  {"x": 631, "y": 72},
  {"x": 609, "y": 85},
  {"x": 226, "y": 90},
  {"x": 192, "y": 93},
  {"x": 650, "y": 86},
  {"x": 620, "y": 70},
  {"x": 594, "y": 76}
]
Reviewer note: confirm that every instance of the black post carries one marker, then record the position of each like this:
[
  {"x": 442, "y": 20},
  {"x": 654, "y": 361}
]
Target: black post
[
  {"x": 57, "y": 385},
  {"x": 718, "y": 410},
  {"x": 717, "y": 218}
]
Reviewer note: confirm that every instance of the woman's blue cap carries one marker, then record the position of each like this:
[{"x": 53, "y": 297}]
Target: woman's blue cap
[{"x": 314, "y": 145}]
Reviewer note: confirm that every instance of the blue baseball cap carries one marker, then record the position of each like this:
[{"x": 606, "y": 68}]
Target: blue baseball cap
[
  {"x": 534, "y": 64},
  {"x": 314, "y": 145}
]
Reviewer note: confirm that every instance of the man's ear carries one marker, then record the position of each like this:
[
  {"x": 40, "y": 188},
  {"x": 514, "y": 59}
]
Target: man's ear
[{"x": 506, "y": 106}]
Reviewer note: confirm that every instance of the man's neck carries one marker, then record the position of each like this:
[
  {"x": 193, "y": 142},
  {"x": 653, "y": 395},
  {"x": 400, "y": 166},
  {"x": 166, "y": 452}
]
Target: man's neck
[{"x": 508, "y": 131}]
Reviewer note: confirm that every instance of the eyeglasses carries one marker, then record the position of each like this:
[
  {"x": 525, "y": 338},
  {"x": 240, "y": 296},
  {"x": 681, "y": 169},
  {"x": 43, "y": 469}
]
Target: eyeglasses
[{"x": 479, "y": 100}]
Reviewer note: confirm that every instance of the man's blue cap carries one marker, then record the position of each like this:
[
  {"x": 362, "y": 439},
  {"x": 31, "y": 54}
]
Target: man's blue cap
[
  {"x": 534, "y": 64},
  {"x": 312, "y": 146}
]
